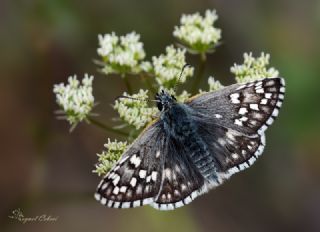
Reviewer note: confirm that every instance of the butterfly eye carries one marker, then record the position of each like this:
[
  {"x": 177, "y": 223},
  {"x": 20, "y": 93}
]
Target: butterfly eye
[
  {"x": 173, "y": 97},
  {"x": 159, "y": 105}
]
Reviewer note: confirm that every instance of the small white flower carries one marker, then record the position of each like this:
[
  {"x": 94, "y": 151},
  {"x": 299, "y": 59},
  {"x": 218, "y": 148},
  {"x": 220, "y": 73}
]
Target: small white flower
[
  {"x": 108, "y": 158},
  {"x": 181, "y": 97},
  {"x": 253, "y": 68},
  {"x": 214, "y": 84},
  {"x": 146, "y": 66},
  {"x": 75, "y": 99},
  {"x": 122, "y": 54},
  {"x": 167, "y": 67},
  {"x": 197, "y": 32},
  {"x": 135, "y": 112}
]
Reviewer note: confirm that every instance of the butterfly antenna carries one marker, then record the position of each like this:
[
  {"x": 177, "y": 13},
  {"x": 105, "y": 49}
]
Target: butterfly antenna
[
  {"x": 182, "y": 70},
  {"x": 133, "y": 98}
]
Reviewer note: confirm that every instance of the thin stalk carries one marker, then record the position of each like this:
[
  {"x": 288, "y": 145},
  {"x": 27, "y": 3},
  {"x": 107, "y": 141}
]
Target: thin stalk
[
  {"x": 199, "y": 76},
  {"x": 149, "y": 85},
  {"x": 106, "y": 127},
  {"x": 127, "y": 83}
]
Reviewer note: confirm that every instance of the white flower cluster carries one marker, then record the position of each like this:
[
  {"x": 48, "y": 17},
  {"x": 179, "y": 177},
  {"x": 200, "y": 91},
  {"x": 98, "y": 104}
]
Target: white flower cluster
[
  {"x": 214, "y": 84},
  {"x": 76, "y": 100},
  {"x": 122, "y": 54},
  {"x": 253, "y": 68},
  {"x": 167, "y": 67},
  {"x": 197, "y": 32},
  {"x": 107, "y": 158},
  {"x": 135, "y": 112}
]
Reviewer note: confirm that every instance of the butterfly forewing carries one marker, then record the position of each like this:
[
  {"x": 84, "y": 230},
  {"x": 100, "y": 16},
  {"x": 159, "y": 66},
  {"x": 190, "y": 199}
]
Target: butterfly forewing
[
  {"x": 233, "y": 151},
  {"x": 135, "y": 180},
  {"x": 232, "y": 121},
  {"x": 248, "y": 108}
]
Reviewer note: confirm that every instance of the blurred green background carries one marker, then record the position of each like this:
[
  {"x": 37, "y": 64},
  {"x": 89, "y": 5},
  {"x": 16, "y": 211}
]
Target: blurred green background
[{"x": 46, "y": 170}]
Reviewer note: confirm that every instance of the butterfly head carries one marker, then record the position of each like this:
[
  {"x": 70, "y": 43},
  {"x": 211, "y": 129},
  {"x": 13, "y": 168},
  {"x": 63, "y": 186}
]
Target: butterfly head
[{"x": 164, "y": 100}]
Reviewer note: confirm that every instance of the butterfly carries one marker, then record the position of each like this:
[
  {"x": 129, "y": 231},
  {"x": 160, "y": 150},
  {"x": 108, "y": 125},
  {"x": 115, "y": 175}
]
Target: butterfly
[{"x": 193, "y": 146}]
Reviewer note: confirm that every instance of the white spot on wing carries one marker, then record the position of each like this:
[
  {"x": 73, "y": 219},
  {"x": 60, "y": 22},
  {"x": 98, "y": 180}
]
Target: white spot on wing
[
  {"x": 251, "y": 160},
  {"x": 243, "y": 119},
  {"x": 158, "y": 154},
  {"x": 238, "y": 122},
  {"x": 104, "y": 186},
  {"x": 241, "y": 87},
  {"x": 110, "y": 203},
  {"x": 235, "y": 98},
  {"x": 135, "y": 160},
  {"x": 221, "y": 141},
  {"x": 136, "y": 203},
  {"x": 116, "y": 180},
  {"x": 133, "y": 182},
  {"x": 147, "y": 201},
  {"x": 235, "y": 156},
  {"x": 97, "y": 196},
  {"x": 123, "y": 189},
  {"x": 115, "y": 190},
  {"x": 142, "y": 174},
  {"x": 187, "y": 200},
  {"x": 268, "y": 95},
  {"x": 275, "y": 112},
  {"x": 264, "y": 101},
  {"x": 270, "y": 121},
  {"x": 279, "y": 104},
  {"x": 154, "y": 175},
  {"x": 260, "y": 90},
  {"x": 125, "y": 205},
  {"x": 243, "y": 110},
  {"x": 103, "y": 200},
  {"x": 259, "y": 83},
  {"x": 179, "y": 204},
  {"x": 254, "y": 106}
]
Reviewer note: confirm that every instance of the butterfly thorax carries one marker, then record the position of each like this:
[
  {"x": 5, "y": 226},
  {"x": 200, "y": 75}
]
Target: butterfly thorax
[{"x": 175, "y": 116}]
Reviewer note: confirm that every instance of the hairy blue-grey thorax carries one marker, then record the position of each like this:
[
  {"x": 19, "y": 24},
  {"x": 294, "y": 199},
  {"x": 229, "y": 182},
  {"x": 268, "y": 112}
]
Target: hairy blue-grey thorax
[
  {"x": 177, "y": 121},
  {"x": 176, "y": 117}
]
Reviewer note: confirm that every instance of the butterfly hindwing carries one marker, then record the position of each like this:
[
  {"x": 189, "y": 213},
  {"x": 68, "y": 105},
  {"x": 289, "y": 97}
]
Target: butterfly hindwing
[
  {"x": 232, "y": 150},
  {"x": 181, "y": 181},
  {"x": 135, "y": 179}
]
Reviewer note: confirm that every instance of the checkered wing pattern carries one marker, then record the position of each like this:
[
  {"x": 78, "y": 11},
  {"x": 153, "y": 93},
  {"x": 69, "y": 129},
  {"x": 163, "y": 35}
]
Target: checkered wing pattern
[
  {"x": 233, "y": 120},
  {"x": 154, "y": 171},
  {"x": 135, "y": 180},
  {"x": 181, "y": 180}
]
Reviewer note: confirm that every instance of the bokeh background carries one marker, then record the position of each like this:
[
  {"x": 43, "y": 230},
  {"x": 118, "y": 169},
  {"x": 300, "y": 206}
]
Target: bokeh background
[{"x": 46, "y": 170}]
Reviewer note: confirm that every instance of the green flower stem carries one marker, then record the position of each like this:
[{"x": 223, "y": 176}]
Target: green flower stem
[
  {"x": 106, "y": 127},
  {"x": 127, "y": 83},
  {"x": 146, "y": 81},
  {"x": 200, "y": 75}
]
